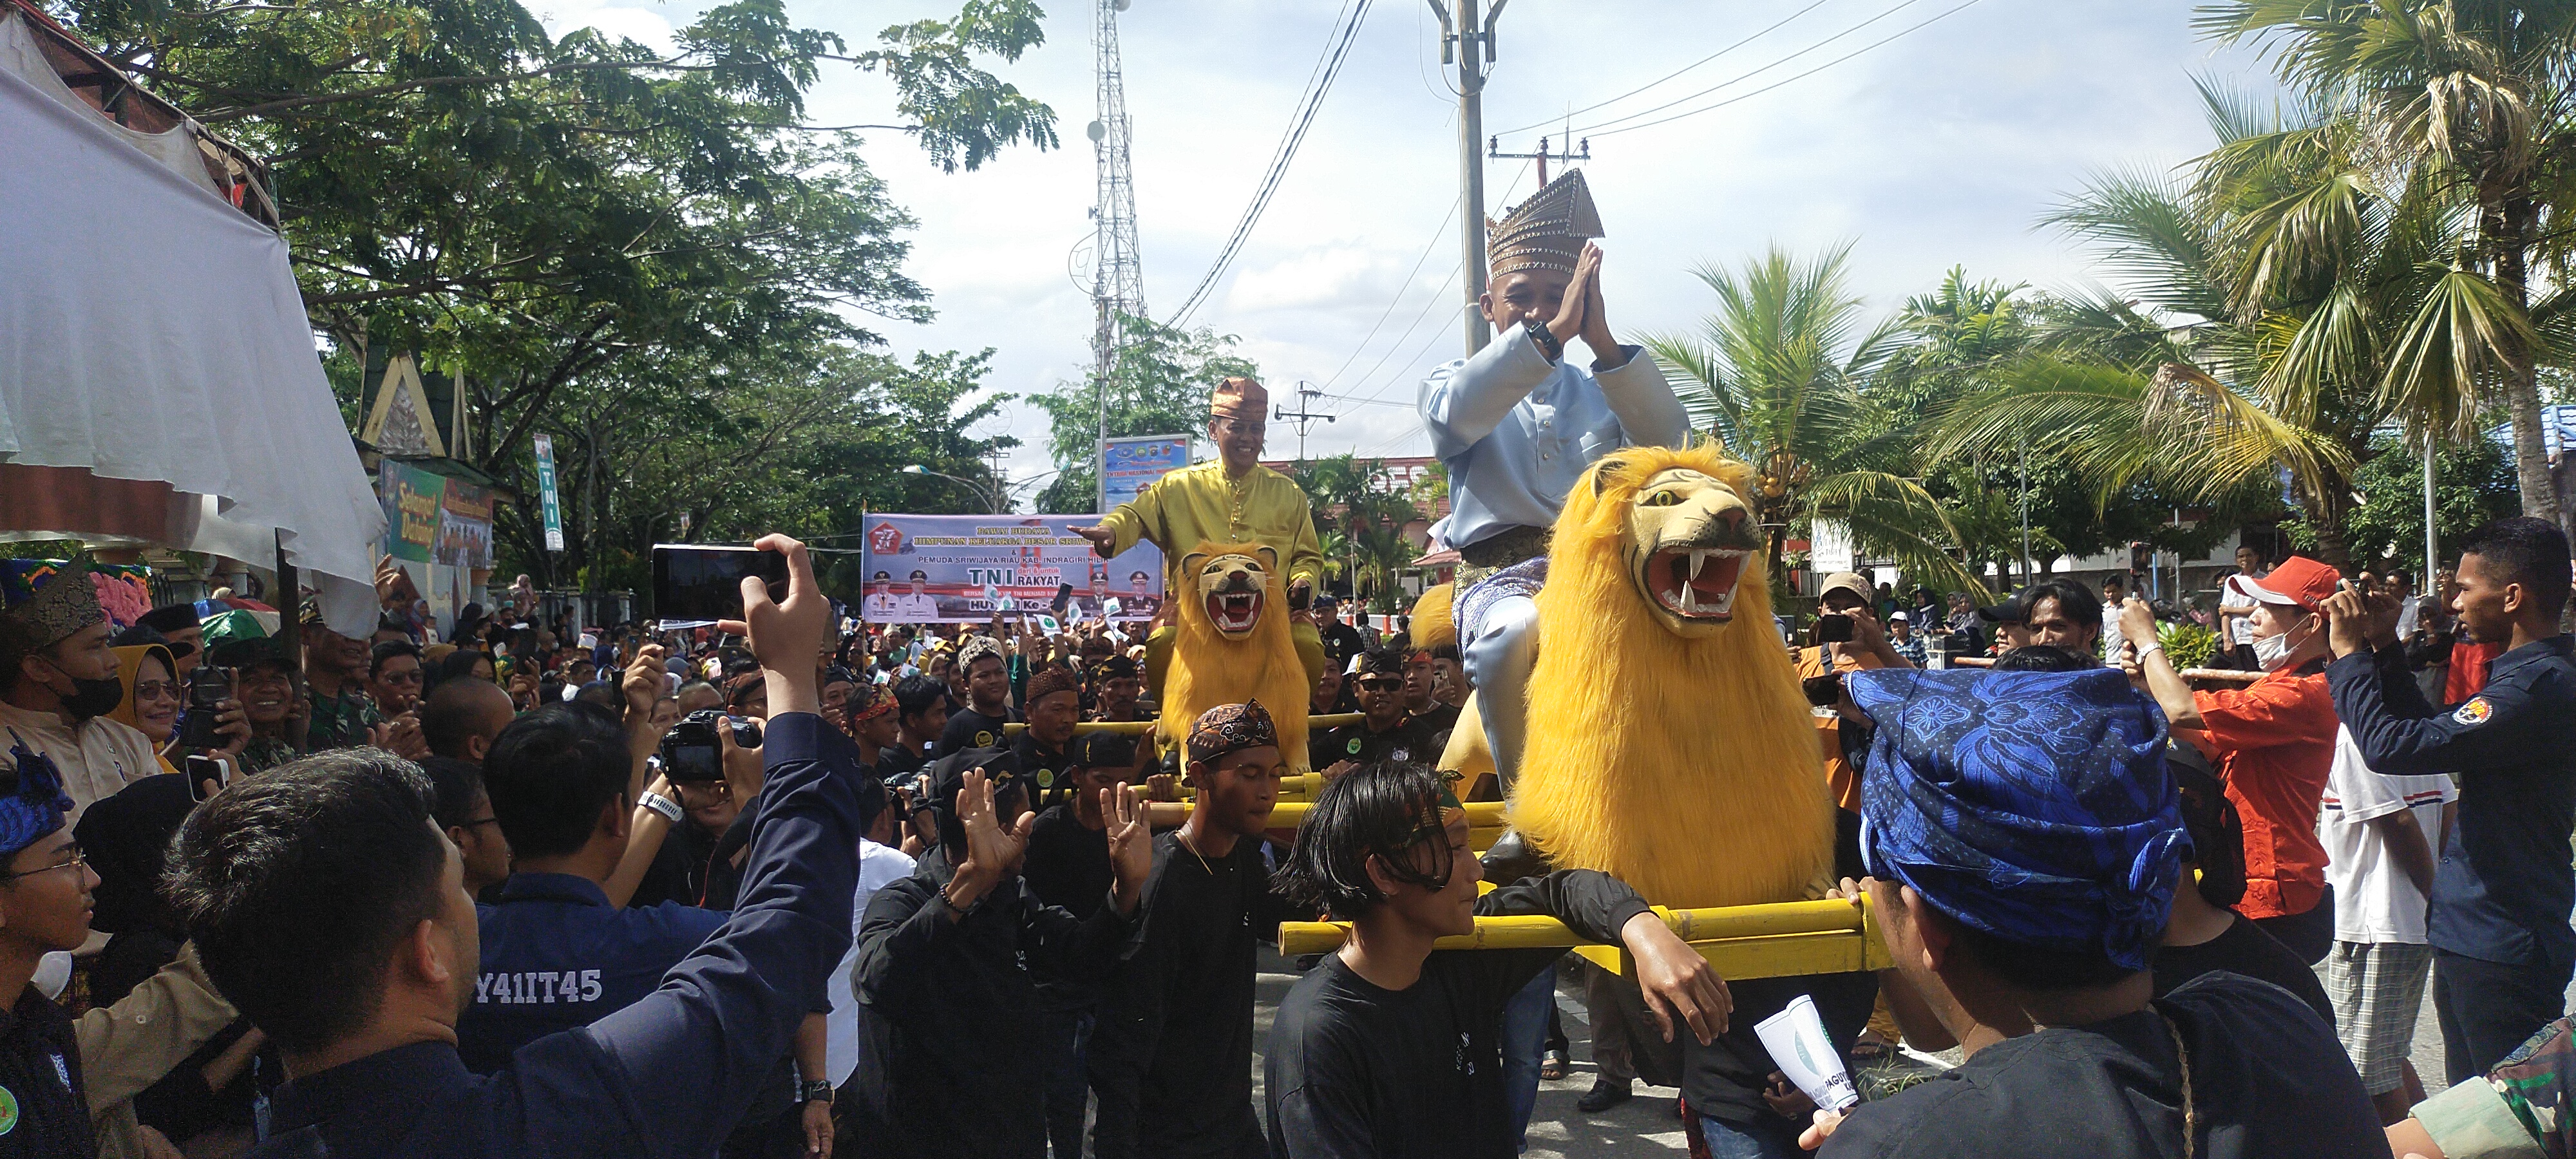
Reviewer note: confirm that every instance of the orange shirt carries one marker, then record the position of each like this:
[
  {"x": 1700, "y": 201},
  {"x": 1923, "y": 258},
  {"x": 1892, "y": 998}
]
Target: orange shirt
[
  {"x": 1840, "y": 778},
  {"x": 2468, "y": 671},
  {"x": 2273, "y": 741}
]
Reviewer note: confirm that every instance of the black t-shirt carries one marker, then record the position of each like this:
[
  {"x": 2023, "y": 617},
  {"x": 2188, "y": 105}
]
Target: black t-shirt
[
  {"x": 1176, "y": 1026},
  {"x": 1068, "y": 863},
  {"x": 1341, "y": 642},
  {"x": 2268, "y": 1080},
  {"x": 1437, "y": 721},
  {"x": 969, "y": 729},
  {"x": 2243, "y": 949},
  {"x": 1356, "y": 1070},
  {"x": 1724, "y": 1079},
  {"x": 1408, "y": 741}
]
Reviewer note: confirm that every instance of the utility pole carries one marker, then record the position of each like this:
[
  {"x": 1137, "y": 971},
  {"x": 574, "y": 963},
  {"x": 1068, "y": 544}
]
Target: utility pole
[
  {"x": 1305, "y": 414},
  {"x": 2432, "y": 533},
  {"x": 1470, "y": 48},
  {"x": 1494, "y": 151}
]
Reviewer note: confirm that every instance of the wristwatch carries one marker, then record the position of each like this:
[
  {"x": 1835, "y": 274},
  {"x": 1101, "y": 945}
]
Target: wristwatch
[
  {"x": 814, "y": 1091},
  {"x": 1544, "y": 339}
]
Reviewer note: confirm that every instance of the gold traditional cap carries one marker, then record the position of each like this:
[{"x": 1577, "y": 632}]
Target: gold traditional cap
[
  {"x": 1547, "y": 231},
  {"x": 1240, "y": 398}
]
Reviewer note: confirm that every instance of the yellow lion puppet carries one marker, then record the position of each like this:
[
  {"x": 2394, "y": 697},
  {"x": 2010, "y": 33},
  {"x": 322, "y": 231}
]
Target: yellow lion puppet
[
  {"x": 1234, "y": 646},
  {"x": 1669, "y": 744}
]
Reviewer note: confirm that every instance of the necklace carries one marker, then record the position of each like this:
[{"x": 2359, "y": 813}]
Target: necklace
[
  {"x": 1183, "y": 837},
  {"x": 2190, "y": 1114}
]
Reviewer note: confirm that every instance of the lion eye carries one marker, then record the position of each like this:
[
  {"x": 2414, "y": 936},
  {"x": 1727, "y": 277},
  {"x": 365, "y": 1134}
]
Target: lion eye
[{"x": 1659, "y": 499}]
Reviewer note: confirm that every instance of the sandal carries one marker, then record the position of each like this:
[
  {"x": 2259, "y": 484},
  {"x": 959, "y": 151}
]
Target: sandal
[{"x": 1551, "y": 1066}]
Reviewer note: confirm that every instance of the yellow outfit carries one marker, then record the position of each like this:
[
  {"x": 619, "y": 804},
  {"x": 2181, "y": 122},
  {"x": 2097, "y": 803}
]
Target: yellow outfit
[
  {"x": 128, "y": 662},
  {"x": 1200, "y": 504}
]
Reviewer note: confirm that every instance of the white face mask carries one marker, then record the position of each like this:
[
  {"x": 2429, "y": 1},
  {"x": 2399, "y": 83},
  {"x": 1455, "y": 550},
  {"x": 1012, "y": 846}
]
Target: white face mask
[{"x": 2272, "y": 652}]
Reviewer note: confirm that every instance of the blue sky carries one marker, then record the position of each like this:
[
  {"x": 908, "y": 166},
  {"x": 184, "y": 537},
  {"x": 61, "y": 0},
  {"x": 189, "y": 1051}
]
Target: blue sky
[{"x": 1941, "y": 148}]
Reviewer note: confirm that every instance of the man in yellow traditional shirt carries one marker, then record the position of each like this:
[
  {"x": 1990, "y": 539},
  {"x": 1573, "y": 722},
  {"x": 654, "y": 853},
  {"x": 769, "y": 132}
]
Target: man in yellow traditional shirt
[{"x": 1230, "y": 499}]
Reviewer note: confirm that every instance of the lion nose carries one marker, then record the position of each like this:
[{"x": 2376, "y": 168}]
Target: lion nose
[{"x": 1732, "y": 517}]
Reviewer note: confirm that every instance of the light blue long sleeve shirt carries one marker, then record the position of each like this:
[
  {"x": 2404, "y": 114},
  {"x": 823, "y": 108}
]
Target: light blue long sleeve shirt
[{"x": 1517, "y": 431}]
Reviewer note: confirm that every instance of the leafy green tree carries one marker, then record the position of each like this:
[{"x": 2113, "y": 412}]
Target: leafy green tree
[
  {"x": 2473, "y": 482},
  {"x": 2468, "y": 100},
  {"x": 1159, "y": 385},
  {"x": 1360, "y": 515},
  {"x": 1775, "y": 375}
]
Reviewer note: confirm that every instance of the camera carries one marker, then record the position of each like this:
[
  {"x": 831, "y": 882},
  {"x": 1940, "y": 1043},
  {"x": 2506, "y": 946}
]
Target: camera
[
  {"x": 1833, "y": 628},
  {"x": 208, "y": 688},
  {"x": 690, "y": 751},
  {"x": 1823, "y": 691}
]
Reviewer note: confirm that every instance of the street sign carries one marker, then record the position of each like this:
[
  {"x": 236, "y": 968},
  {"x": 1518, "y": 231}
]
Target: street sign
[{"x": 546, "y": 494}]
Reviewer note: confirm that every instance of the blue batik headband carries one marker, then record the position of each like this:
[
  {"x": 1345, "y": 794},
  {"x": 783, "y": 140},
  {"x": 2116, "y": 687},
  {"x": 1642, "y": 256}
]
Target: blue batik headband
[{"x": 38, "y": 807}]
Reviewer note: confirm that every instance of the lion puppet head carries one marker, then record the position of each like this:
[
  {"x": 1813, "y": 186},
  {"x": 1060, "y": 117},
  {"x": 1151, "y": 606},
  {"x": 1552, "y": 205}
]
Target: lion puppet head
[
  {"x": 1233, "y": 645},
  {"x": 1668, "y": 743}
]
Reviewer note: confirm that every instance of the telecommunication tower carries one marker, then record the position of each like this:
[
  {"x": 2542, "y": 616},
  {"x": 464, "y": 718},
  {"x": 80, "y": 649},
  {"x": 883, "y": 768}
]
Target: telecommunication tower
[{"x": 1118, "y": 274}]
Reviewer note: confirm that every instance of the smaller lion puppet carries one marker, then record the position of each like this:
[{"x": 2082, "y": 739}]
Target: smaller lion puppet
[
  {"x": 1234, "y": 645},
  {"x": 1668, "y": 742}
]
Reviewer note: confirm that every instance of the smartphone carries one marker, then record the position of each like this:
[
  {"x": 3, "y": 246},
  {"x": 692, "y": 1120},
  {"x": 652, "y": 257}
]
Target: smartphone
[
  {"x": 1833, "y": 628},
  {"x": 203, "y": 770},
  {"x": 698, "y": 582},
  {"x": 208, "y": 687}
]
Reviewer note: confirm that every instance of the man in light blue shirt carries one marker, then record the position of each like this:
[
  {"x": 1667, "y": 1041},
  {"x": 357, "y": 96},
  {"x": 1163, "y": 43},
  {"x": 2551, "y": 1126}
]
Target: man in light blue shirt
[{"x": 1518, "y": 424}]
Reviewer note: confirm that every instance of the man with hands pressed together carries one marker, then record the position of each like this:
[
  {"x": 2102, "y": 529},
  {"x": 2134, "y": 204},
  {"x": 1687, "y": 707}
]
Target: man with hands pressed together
[
  {"x": 1387, "y": 1048},
  {"x": 2501, "y": 894},
  {"x": 1518, "y": 423},
  {"x": 947, "y": 974},
  {"x": 328, "y": 907}
]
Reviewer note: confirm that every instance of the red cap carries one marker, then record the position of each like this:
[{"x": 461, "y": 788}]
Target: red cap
[{"x": 2298, "y": 581}]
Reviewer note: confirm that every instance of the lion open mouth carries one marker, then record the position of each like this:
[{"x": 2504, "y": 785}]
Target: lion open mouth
[
  {"x": 1234, "y": 612},
  {"x": 1696, "y": 583}
]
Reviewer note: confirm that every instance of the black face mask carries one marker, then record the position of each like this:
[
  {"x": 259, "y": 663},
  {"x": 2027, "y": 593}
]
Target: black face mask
[{"x": 94, "y": 698}]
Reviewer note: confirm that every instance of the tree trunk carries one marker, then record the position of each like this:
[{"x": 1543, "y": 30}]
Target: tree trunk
[{"x": 2511, "y": 224}]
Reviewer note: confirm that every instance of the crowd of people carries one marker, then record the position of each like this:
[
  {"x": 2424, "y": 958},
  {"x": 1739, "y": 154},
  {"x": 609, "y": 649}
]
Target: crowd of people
[{"x": 810, "y": 883}]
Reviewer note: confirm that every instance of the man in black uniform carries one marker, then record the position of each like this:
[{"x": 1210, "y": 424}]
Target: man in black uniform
[
  {"x": 1422, "y": 700},
  {"x": 1068, "y": 868},
  {"x": 1387, "y": 734},
  {"x": 1172, "y": 1058},
  {"x": 988, "y": 698},
  {"x": 2498, "y": 924},
  {"x": 1386, "y": 1048}
]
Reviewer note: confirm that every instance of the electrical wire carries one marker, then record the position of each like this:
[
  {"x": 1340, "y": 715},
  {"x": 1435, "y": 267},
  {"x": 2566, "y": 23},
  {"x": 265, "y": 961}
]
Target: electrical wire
[
  {"x": 1358, "y": 399},
  {"x": 1670, "y": 75},
  {"x": 1739, "y": 78},
  {"x": 1954, "y": 10},
  {"x": 1437, "y": 236},
  {"x": 1319, "y": 83}
]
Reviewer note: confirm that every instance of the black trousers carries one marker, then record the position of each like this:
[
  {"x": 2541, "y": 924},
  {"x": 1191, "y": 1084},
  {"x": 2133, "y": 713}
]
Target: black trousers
[
  {"x": 2488, "y": 1009},
  {"x": 2309, "y": 934}
]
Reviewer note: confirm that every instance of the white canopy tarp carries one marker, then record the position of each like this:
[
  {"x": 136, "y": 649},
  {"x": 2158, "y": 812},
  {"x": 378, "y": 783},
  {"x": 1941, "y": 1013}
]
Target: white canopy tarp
[{"x": 150, "y": 331}]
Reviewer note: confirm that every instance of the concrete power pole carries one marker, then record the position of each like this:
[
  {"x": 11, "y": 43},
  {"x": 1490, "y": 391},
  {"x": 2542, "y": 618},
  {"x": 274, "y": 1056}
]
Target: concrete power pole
[{"x": 1471, "y": 47}]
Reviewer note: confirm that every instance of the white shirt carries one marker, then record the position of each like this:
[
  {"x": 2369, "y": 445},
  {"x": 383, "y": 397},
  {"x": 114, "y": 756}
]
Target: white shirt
[
  {"x": 2111, "y": 637},
  {"x": 882, "y": 607},
  {"x": 96, "y": 760},
  {"x": 916, "y": 608},
  {"x": 879, "y": 866},
  {"x": 2374, "y": 900},
  {"x": 2407, "y": 609}
]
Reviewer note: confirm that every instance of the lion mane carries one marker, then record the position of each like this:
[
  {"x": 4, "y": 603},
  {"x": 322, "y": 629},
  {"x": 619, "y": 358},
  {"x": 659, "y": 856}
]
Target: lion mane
[
  {"x": 1209, "y": 670},
  {"x": 1688, "y": 768}
]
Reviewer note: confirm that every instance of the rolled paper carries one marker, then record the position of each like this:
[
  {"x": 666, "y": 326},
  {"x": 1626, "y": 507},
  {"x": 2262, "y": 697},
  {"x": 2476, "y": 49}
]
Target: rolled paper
[{"x": 1796, "y": 1039}]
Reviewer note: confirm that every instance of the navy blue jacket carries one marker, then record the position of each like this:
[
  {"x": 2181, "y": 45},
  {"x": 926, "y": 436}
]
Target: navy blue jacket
[
  {"x": 667, "y": 1076},
  {"x": 2504, "y": 887},
  {"x": 557, "y": 956}
]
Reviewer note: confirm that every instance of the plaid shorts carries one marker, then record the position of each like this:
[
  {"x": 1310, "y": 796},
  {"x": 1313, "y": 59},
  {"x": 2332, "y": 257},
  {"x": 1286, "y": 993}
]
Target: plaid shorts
[{"x": 2377, "y": 989}]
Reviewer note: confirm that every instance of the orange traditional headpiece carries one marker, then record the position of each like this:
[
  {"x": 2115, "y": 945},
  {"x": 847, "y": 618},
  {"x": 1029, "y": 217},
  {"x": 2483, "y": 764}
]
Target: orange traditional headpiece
[{"x": 1240, "y": 398}]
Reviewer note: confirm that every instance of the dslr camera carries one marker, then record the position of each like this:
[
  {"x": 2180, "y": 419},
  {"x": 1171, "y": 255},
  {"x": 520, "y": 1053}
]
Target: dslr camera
[{"x": 690, "y": 751}]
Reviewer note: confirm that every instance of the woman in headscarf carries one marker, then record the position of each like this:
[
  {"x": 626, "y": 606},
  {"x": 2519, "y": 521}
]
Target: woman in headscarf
[{"x": 153, "y": 693}]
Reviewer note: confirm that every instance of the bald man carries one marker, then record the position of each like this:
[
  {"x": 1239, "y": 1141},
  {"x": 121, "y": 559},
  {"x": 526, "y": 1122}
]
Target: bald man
[{"x": 463, "y": 716}]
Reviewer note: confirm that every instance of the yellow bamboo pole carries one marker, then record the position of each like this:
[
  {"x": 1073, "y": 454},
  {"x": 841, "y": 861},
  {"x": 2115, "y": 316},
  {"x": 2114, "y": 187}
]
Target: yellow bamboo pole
[
  {"x": 1142, "y": 727},
  {"x": 1290, "y": 814},
  {"x": 1759, "y": 941}
]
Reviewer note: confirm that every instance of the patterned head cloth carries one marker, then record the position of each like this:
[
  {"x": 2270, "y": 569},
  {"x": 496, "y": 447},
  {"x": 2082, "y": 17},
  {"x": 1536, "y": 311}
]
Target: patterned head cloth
[
  {"x": 35, "y": 806},
  {"x": 870, "y": 702},
  {"x": 1231, "y": 728},
  {"x": 1052, "y": 679},
  {"x": 1378, "y": 662},
  {"x": 1547, "y": 231},
  {"x": 1240, "y": 398},
  {"x": 977, "y": 649},
  {"x": 43, "y": 602},
  {"x": 2033, "y": 806}
]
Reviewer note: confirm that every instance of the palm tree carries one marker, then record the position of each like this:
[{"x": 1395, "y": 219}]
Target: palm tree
[
  {"x": 1775, "y": 376},
  {"x": 2471, "y": 103}
]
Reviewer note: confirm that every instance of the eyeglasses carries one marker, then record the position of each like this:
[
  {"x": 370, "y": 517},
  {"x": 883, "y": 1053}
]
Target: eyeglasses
[
  {"x": 156, "y": 689},
  {"x": 75, "y": 861},
  {"x": 412, "y": 677},
  {"x": 480, "y": 822}
]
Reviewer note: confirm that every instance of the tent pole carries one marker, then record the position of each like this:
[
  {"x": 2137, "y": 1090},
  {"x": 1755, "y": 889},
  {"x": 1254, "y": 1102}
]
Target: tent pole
[{"x": 290, "y": 605}]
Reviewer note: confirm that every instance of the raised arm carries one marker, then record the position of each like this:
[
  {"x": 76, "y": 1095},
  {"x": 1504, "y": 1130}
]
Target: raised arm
[{"x": 148, "y": 1033}]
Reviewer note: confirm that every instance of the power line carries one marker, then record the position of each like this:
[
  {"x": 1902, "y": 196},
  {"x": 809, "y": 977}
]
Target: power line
[
  {"x": 1670, "y": 75},
  {"x": 1438, "y": 234},
  {"x": 1427, "y": 307},
  {"x": 1318, "y": 84},
  {"x": 1740, "y": 78},
  {"x": 1965, "y": 4}
]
